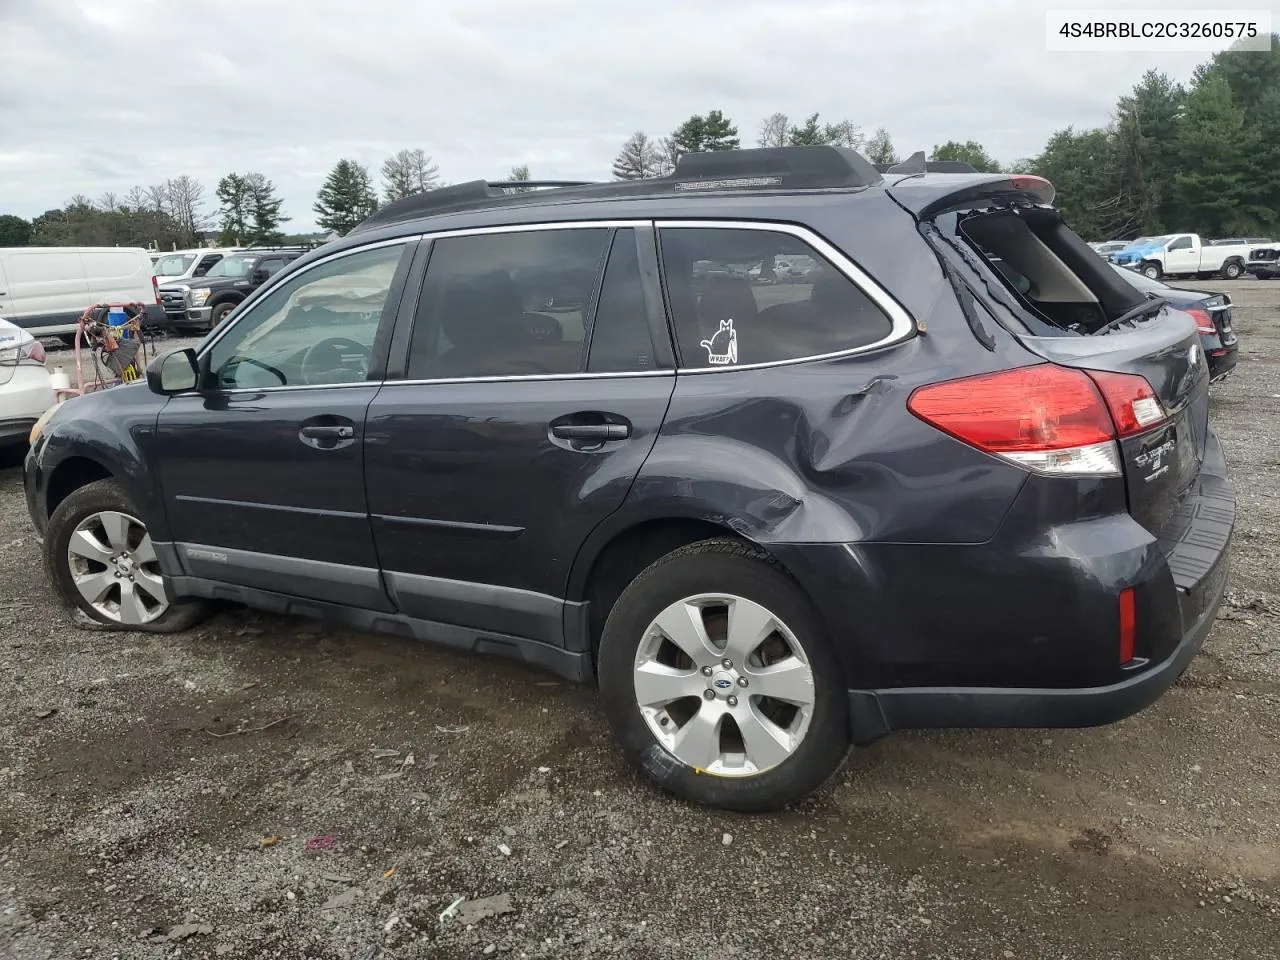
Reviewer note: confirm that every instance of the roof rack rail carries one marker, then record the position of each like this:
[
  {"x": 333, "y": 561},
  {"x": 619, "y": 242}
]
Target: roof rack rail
[
  {"x": 539, "y": 184},
  {"x": 813, "y": 167},
  {"x": 786, "y": 168}
]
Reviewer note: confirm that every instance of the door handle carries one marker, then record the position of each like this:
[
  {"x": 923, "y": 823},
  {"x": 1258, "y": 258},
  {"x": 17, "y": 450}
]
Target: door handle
[
  {"x": 326, "y": 431},
  {"x": 327, "y": 435},
  {"x": 591, "y": 431}
]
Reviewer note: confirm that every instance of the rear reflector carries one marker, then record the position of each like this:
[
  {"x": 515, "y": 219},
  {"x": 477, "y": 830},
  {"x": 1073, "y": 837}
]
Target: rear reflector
[
  {"x": 1204, "y": 322},
  {"x": 1128, "y": 624}
]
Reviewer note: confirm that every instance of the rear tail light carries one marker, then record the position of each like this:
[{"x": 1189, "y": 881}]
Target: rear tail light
[
  {"x": 1128, "y": 624},
  {"x": 30, "y": 353},
  {"x": 1204, "y": 322},
  {"x": 1133, "y": 404},
  {"x": 1046, "y": 418}
]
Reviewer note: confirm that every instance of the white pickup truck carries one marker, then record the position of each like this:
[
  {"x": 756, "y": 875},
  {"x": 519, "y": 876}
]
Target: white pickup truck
[{"x": 1183, "y": 254}]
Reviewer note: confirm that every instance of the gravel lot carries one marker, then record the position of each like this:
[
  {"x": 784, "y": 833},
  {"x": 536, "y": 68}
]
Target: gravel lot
[{"x": 270, "y": 788}]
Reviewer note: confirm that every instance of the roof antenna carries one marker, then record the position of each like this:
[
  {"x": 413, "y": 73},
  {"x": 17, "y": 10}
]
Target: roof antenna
[{"x": 913, "y": 164}]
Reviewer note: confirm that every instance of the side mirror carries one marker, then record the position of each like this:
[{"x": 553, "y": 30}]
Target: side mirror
[
  {"x": 259, "y": 276},
  {"x": 176, "y": 372}
]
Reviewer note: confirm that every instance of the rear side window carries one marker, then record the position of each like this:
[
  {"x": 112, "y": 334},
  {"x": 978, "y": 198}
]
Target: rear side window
[
  {"x": 743, "y": 296},
  {"x": 621, "y": 340},
  {"x": 506, "y": 304}
]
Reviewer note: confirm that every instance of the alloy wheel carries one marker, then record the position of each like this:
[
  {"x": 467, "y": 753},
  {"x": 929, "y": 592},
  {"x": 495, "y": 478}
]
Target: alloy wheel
[
  {"x": 114, "y": 566},
  {"x": 724, "y": 685}
]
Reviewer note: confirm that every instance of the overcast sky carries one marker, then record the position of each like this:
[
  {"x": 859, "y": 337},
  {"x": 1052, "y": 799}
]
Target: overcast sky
[{"x": 99, "y": 95}]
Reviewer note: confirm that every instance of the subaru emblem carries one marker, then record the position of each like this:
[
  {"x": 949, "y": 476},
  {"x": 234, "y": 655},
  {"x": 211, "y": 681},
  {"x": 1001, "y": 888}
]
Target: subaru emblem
[{"x": 724, "y": 684}]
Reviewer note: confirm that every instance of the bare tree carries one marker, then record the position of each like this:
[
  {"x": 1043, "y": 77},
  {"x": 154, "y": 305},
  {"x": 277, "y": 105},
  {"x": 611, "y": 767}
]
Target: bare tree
[
  {"x": 184, "y": 197},
  {"x": 668, "y": 155},
  {"x": 157, "y": 198},
  {"x": 136, "y": 199},
  {"x": 775, "y": 131},
  {"x": 844, "y": 134},
  {"x": 407, "y": 173},
  {"x": 108, "y": 203}
]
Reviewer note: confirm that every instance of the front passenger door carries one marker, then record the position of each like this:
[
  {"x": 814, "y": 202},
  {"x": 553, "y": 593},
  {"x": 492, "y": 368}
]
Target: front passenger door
[
  {"x": 1181, "y": 257},
  {"x": 262, "y": 471}
]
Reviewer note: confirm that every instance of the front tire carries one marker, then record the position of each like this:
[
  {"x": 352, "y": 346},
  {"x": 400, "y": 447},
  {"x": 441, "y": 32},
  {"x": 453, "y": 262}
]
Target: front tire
[
  {"x": 1232, "y": 270},
  {"x": 718, "y": 679},
  {"x": 100, "y": 558},
  {"x": 1151, "y": 270},
  {"x": 219, "y": 313}
]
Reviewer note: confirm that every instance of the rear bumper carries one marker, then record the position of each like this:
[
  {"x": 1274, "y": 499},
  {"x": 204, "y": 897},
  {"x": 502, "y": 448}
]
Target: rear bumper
[
  {"x": 27, "y": 394},
  {"x": 15, "y": 430},
  {"x": 873, "y": 713},
  {"x": 1023, "y": 630}
]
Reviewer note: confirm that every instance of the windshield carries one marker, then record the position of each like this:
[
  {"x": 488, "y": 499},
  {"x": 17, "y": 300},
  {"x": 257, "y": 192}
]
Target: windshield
[
  {"x": 232, "y": 267},
  {"x": 1139, "y": 282},
  {"x": 174, "y": 265}
]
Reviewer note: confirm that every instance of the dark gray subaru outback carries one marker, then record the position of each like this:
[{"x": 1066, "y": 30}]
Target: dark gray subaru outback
[{"x": 771, "y": 448}]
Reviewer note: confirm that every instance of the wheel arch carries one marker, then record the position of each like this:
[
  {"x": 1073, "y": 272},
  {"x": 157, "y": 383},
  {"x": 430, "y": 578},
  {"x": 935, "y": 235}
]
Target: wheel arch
[
  {"x": 70, "y": 475},
  {"x": 611, "y": 559}
]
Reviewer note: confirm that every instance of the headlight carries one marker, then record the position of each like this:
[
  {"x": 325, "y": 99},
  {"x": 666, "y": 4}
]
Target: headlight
[
  {"x": 199, "y": 296},
  {"x": 40, "y": 424}
]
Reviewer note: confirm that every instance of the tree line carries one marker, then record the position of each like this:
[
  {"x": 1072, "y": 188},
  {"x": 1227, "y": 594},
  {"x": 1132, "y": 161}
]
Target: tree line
[{"x": 1204, "y": 157}]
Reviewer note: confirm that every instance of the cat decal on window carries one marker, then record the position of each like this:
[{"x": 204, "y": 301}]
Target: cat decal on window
[{"x": 722, "y": 349}]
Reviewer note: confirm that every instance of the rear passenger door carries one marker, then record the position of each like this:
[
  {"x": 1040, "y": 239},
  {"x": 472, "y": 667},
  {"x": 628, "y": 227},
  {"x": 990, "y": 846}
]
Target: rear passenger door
[{"x": 536, "y": 375}]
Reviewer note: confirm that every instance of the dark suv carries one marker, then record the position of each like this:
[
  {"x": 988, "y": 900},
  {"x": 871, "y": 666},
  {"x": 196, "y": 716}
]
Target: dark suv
[
  {"x": 576, "y": 427},
  {"x": 202, "y": 303}
]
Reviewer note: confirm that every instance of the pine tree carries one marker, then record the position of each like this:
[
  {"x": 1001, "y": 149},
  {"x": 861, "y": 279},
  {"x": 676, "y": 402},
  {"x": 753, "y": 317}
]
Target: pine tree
[
  {"x": 718, "y": 133},
  {"x": 346, "y": 198},
  {"x": 264, "y": 209},
  {"x": 1146, "y": 131},
  {"x": 638, "y": 159},
  {"x": 14, "y": 231},
  {"x": 1211, "y": 190},
  {"x": 234, "y": 214},
  {"x": 1085, "y": 171},
  {"x": 409, "y": 172},
  {"x": 689, "y": 137},
  {"x": 808, "y": 135}
]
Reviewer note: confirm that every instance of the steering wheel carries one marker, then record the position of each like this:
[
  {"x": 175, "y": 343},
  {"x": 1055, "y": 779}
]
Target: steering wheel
[{"x": 337, "y": 345}]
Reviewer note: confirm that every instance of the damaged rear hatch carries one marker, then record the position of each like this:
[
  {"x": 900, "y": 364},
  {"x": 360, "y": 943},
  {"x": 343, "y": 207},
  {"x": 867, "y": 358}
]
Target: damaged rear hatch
[{"x": 1067, "y": 305}]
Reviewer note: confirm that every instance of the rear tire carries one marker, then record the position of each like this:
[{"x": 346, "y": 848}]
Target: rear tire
[
  {"x": 109, "y": 573},
  {"x": 754, "y": 752},
  {"x": 1151, "y": 270},
  {"x": 1232, "y": 270}
]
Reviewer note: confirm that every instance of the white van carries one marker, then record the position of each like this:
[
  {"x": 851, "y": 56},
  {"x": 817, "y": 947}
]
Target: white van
[
  {"x": 45, "y": 289},
  {"x": 175, "y": 266}
]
